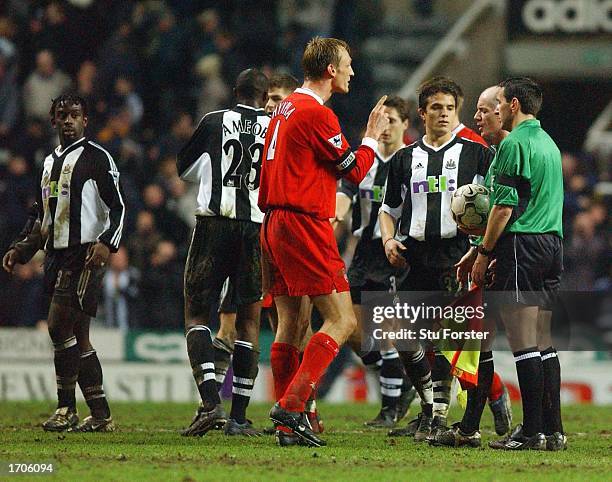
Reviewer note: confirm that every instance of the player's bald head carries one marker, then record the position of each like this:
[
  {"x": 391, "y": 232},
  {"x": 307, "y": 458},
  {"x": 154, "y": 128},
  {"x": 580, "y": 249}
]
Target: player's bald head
[
  {"x": 251, "y": 84},
  {"x": 488, "y": 95}
]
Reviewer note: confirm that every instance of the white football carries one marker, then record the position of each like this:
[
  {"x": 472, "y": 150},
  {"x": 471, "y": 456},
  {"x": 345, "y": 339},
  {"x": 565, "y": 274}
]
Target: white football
[{"x": 470, "y": 206}]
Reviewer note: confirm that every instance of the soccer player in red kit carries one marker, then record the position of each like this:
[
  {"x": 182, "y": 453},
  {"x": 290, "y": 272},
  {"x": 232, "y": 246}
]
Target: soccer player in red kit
[{"x": 304, "y": 155}]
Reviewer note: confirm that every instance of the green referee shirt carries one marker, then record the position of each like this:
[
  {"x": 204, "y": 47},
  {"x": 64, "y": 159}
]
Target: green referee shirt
[{"x": 526, "y": 174}]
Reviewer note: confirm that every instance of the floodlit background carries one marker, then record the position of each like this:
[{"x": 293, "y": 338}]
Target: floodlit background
[{"x": 151, "y": 69}]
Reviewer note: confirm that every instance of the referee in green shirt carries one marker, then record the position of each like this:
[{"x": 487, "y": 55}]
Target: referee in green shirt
[{"x": 524, "y": 233}]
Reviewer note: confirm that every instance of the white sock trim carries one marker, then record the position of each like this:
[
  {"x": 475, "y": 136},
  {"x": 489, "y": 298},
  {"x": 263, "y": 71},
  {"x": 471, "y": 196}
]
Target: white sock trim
[{"x": 526, "y": 356}]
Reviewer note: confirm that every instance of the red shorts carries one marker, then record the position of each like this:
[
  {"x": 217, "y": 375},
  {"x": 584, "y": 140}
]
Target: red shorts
[{"x": 302, "y": 255}]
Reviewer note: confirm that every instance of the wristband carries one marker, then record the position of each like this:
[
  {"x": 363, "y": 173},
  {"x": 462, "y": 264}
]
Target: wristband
[
  {"x": 385, "y": 243},
  {"x": 485, "y": 252}
]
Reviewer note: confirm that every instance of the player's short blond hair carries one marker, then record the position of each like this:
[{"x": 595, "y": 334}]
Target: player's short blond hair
[{"x": 319, "y": 53}]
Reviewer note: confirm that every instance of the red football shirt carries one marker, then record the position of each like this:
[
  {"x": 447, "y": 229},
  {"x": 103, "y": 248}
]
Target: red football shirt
[
  {"x": 304, "y": 155},
  {"x": 469, "y": 134}
]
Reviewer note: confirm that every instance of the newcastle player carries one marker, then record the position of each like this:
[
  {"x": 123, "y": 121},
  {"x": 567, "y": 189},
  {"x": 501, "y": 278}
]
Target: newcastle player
[
  {"x": 224, "y": 155},
  {"x": 79, "y": 223}
]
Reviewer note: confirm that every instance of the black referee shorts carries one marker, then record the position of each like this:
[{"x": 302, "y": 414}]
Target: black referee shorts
[
  {"x": 221, "y": 248},
  {"x": 370, "y": 270},
  {"x": 528, "y": 269},
  {"x": 67, "y": 281}
]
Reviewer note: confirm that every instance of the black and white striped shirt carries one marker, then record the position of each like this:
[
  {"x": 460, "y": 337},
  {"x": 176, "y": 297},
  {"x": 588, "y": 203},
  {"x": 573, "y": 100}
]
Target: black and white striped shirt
[
  {"x": 80, "y": 198},
  {"x": 422, "y": 179},
  {"x": 224, "y": 156},
  {"x": 367, "y": 197}
]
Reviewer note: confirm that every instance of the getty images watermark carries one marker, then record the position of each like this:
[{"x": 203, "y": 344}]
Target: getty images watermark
[
  {"x": 580, "y": 320},
  {"x": 403, "y": 321}
]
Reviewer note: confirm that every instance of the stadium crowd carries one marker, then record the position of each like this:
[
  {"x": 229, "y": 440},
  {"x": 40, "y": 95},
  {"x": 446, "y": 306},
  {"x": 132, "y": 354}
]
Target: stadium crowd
[{"x": 149, "y": 71}]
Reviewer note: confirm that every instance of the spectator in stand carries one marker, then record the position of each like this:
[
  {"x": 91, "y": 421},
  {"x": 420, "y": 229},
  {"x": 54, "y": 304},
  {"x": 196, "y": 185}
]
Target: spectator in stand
[
  {"x": 16, "y": 197},
  {"x": 203, "y": 38},
  {"x": 144, "y": 241},
  {"x": 214, "y": 92},
  {"x": 118, "y": 56},
  {"x": 34, "y": 143},
  {"x": 125, "y": 97},
  {"x": 162, "y": 289},
  {"x": 86, "y": 86},
  {"x": 584, "y": 253},
  {"x": 9, "y": 96},
  {"x": 27, "y": 309},
  {"x": 117, "y": 137},
  {"x": 169, "y": 224},
  {"x": 120, "y": 291},
  {"x": 180, "y": 133},
  {"x": 42, "y": 86}
]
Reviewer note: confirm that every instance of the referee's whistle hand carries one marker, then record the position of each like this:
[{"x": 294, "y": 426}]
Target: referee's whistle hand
[{"x": 393, "y": 250}]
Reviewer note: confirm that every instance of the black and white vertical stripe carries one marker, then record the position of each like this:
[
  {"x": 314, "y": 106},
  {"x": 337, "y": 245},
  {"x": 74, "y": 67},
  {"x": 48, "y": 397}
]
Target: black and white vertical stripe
[
  {"x": 422, "y": 179},
  {"x": 79, "y": 197},
  {"x": 224, "y": 156},
  {"x": 367, "y": 197}
]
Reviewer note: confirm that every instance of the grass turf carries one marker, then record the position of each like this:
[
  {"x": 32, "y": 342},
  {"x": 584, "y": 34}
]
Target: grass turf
[{"x": 147, "y": 446}]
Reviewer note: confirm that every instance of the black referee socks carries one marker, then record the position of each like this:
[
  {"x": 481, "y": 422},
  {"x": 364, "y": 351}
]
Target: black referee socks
[
  {"x": 551, "y": 401},
  {"x": 530, "y": 376}
]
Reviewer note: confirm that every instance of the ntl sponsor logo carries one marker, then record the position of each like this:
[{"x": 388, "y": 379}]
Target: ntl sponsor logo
[
  {"x": 376, "y": 194},
  {"x": 434, "y": 184}
]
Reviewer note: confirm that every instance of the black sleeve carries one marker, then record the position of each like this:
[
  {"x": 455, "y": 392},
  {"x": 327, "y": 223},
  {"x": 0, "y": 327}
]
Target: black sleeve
[
  {"x": 29, "y": 225},
  {"x": 107, "y": 177},
  {"x": 30, "y": 239},
  {"x": 188, "y": 156},
  {"x": 349, "y": 188}
]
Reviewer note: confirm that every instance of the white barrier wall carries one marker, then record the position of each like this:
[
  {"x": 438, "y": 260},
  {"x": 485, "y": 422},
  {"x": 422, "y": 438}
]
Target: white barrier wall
[{"x": 26, "y": 372}]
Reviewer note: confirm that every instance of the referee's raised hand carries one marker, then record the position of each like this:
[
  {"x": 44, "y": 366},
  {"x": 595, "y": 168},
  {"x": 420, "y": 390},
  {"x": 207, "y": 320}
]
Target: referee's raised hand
[{"x": 378, "y": 120}]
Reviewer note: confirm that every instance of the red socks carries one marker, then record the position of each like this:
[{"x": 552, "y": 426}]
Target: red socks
[
  {"x": 319, "y": 353},
  {"x": 497, "y": 388},
  {"x": 284, "y": 359}
]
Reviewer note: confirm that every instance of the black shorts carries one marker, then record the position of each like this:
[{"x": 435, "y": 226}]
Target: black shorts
[
  {"x": 226, "y": 300},
  {"x": 222, "y": 248},
  {"x": 371, "y": 271},
  {"x": 67, "y": 282},
  {"x": 528, "y": 269},
  {"x": 431, "y": 264}
]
